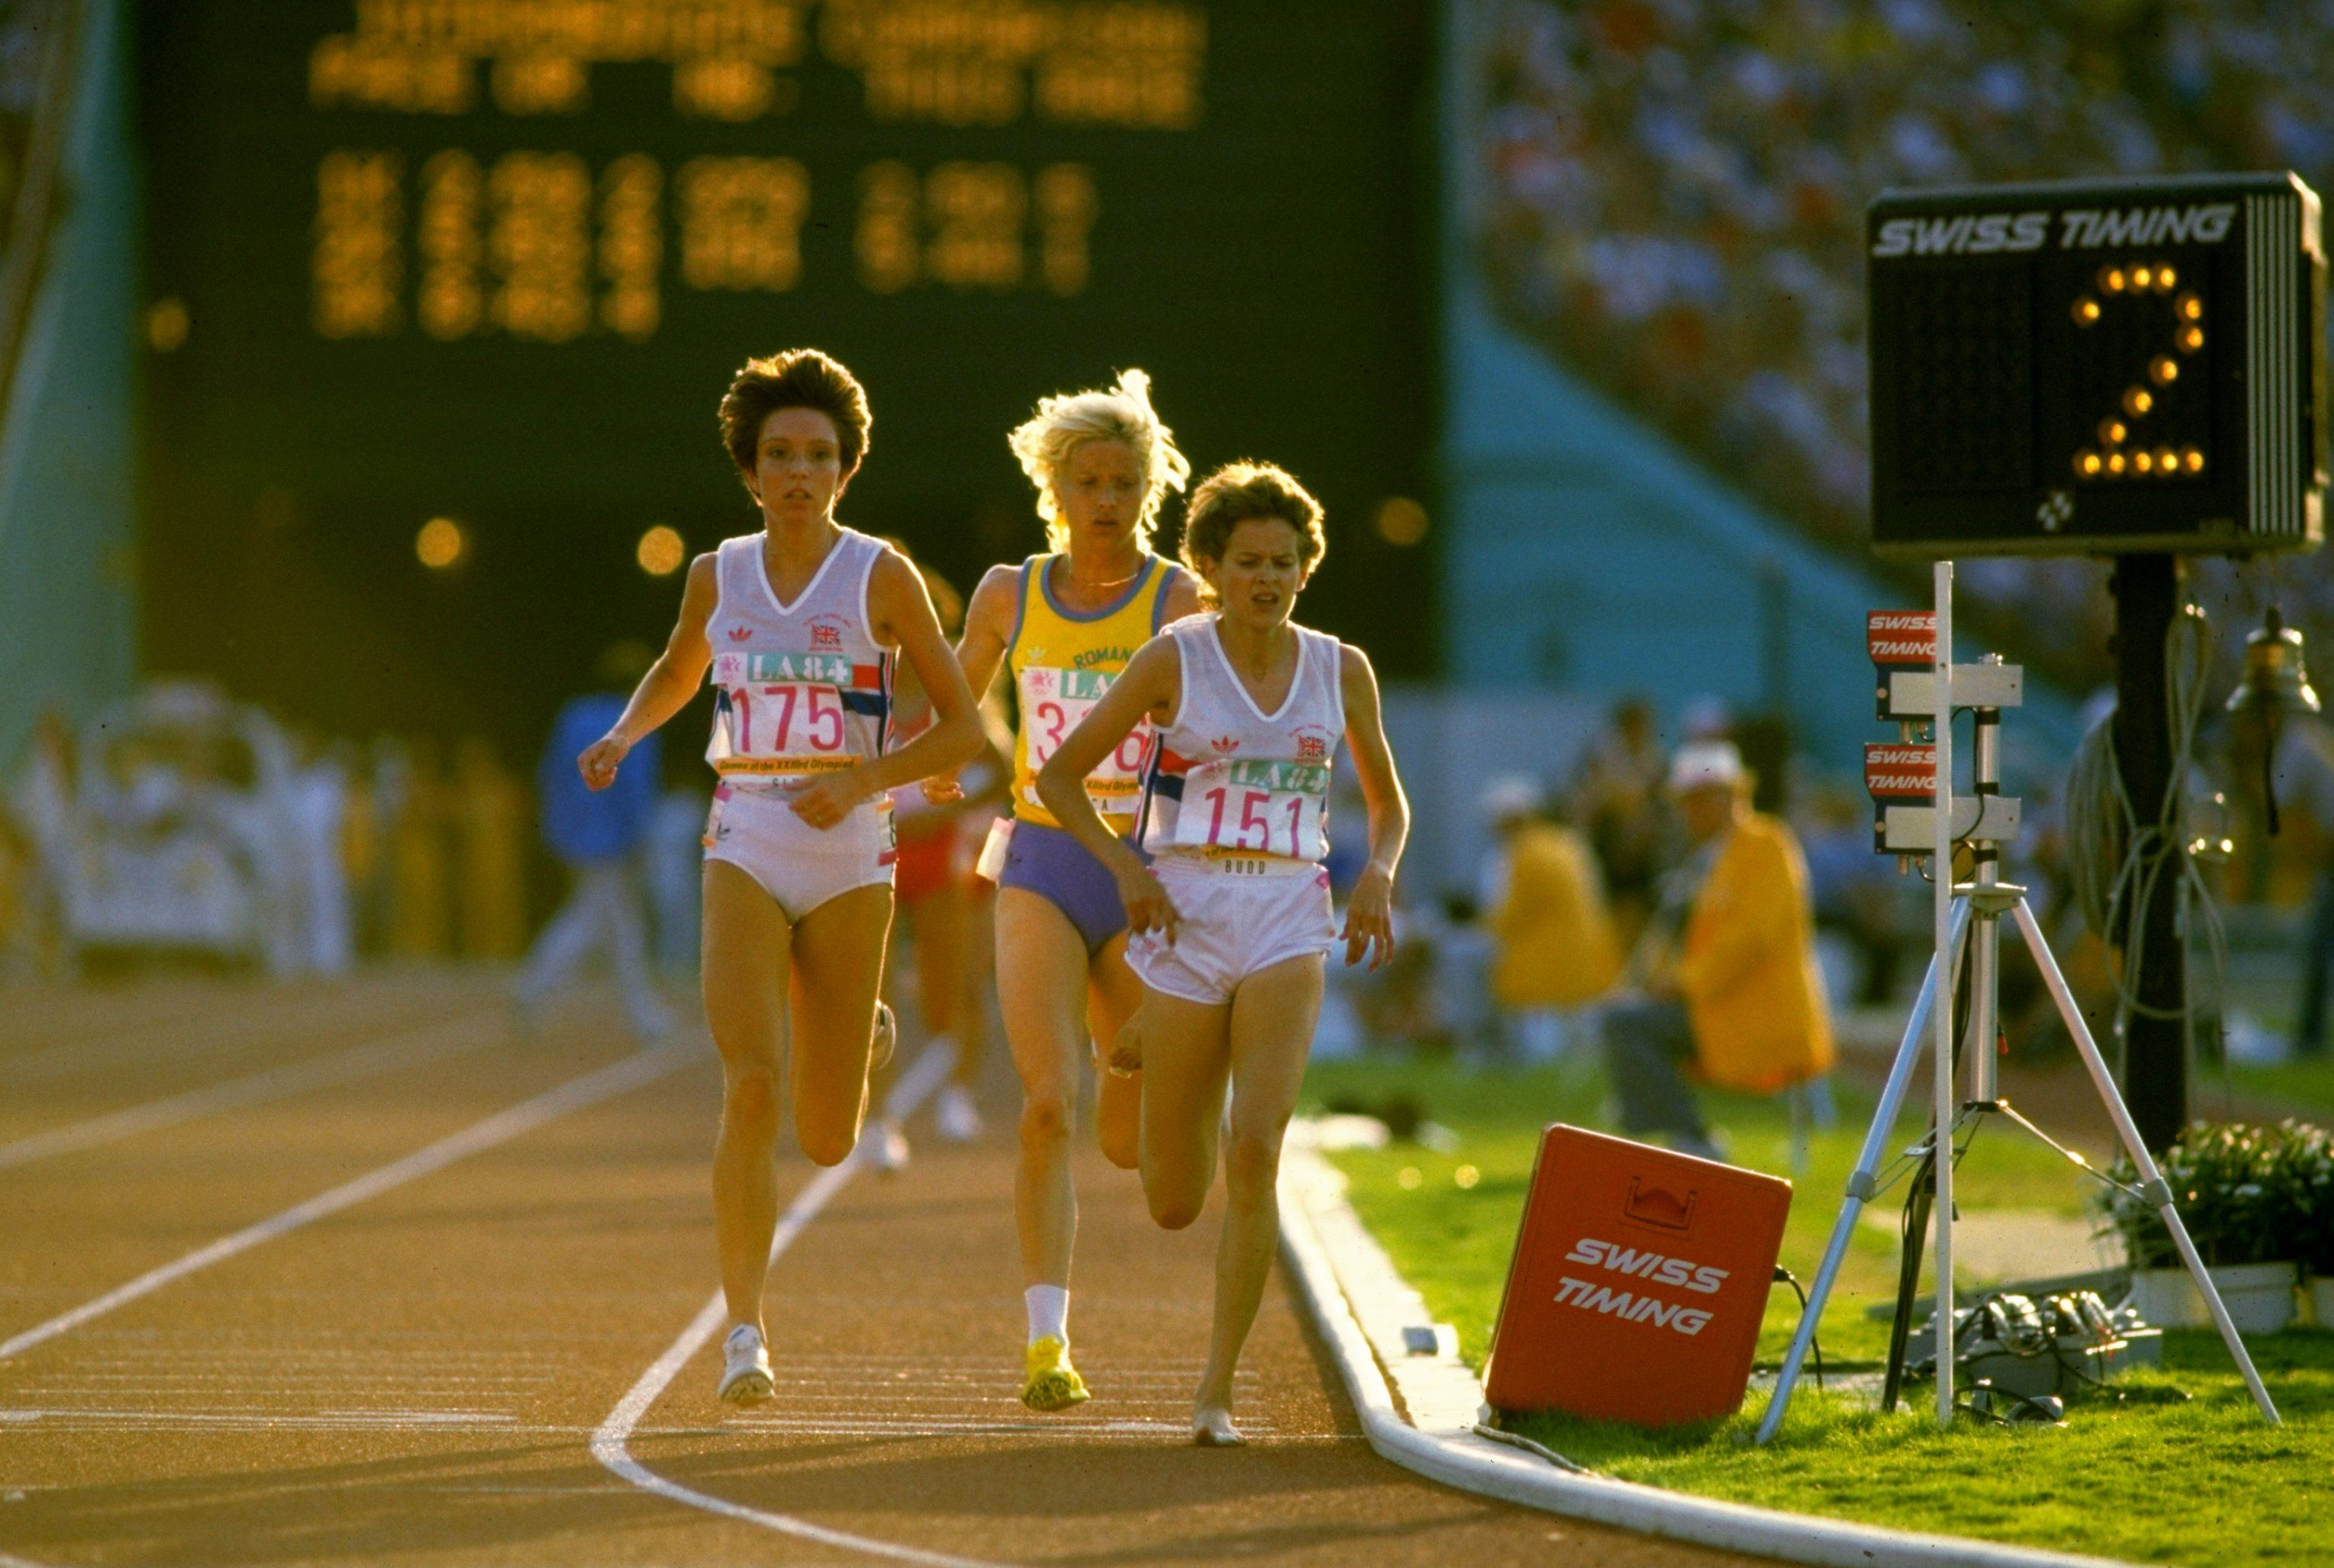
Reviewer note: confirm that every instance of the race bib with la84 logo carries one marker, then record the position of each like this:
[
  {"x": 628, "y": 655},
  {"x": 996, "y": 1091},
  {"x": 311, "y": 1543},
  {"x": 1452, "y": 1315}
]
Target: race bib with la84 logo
[
  {"x": 1053, "y": 702},
  {"x": 784, "y": 713},
  {"x": 1254, "y": 808}
]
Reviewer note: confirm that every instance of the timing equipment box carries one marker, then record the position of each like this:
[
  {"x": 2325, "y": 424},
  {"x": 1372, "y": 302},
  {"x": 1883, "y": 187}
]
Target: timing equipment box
[
  {"x": 2091, "y": 367},
  {"x": 1639, "y": 1281}
]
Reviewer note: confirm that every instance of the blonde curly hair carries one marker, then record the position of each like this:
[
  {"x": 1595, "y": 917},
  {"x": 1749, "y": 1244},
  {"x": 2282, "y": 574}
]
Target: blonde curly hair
[{"x": 1121, "y": 413}]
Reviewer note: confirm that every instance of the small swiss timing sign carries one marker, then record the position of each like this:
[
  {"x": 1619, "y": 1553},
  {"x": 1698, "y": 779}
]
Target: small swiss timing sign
[
  {"x": 1893, "y": 771},
  {"x": 1902, "y": 637}
]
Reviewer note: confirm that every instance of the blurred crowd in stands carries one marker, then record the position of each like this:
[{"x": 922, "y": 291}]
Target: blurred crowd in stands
[
  {"x": 179, "y": 822},
  {"x": 1677, "y": 187}
]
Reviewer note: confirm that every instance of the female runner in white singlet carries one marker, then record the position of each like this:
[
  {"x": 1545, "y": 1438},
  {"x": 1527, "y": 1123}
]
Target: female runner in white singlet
[
  {"x": 798, "y": 623},
  {"x": 1231, "y": 917},
  {"x": 1063, "y": 625}
]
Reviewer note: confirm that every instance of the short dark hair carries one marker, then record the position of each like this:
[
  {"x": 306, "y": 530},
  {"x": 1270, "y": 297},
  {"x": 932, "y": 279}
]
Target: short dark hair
[
  {"x": 796, "y": 379},
  {"x": 1242, "y": 492}
]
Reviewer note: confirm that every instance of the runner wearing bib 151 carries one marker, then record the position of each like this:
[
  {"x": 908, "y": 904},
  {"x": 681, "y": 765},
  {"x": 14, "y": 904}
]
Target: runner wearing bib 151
[
  {"x": 1232, "y": 916},
  {"x": 1064, "y": 624}
]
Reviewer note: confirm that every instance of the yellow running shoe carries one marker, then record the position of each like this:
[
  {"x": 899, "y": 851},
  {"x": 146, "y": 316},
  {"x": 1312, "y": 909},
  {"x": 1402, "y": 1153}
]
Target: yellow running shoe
[{"x": 1051, "y": 1384}]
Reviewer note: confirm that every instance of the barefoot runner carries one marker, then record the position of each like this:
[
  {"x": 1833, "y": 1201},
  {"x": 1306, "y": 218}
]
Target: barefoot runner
[
  {"x": 798, "y": 623},
  {"x": 1065, "y": 623},
  {"x": 1232, "y": 917}
]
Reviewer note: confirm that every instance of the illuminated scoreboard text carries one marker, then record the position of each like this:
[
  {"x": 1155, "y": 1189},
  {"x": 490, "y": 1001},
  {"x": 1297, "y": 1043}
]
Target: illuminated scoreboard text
[{"x": 493, "y": 260}]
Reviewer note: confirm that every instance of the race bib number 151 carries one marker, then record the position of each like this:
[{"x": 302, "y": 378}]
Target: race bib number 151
[{"x": 1271, "y": 808}]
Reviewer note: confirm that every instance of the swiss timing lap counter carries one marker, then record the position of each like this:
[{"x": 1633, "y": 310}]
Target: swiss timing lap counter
[{"x": 2073, "y": 367}]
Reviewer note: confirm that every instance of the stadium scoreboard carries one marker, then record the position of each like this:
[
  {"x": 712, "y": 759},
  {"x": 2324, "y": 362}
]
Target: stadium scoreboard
[
  {"x": 2071, "y": 368},
  {"x": 494, "y": 261}
]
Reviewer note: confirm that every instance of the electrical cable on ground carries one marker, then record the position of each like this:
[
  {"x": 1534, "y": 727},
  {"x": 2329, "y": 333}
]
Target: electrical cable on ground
[{"x": 1515, "y": 1441}]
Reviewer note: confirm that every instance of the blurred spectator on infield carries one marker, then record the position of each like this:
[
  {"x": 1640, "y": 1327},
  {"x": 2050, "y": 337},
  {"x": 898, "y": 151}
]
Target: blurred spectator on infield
[
  {"x": 1553, "y": 948},
  {"x": 42, "y": 805},
  {"x": 420, "y": 907},
  {"x": 1616, "y": 803},
  {"x": 490, "y": 828},
  {"x": 597, "y": 836},
  {"x": 1731, "y": 990},
  {"x": 317, "y": 803},
  {"x": 674, "y": 859},
  {"x": 1866, "y": 917}
]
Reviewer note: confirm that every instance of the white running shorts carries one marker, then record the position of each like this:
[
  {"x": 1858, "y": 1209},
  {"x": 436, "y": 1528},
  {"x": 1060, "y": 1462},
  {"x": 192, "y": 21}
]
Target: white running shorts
[
  {"x": 1232, "y": 925},
  {"x": 799, "y": 866}
]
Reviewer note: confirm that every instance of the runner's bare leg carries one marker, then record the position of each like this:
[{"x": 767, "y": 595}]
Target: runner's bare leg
[
  {"x": 747, "y": 947},
  {"x": 1273, "y": 1014}
]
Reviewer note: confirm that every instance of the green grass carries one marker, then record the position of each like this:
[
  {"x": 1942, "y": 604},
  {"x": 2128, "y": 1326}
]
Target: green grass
[
  {"x": 2198, "y": 1481},
  {"x": 2308, "y": 1086}
]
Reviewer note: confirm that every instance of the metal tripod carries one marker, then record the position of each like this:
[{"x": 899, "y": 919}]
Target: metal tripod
[{"x": 1969, "y": 932}]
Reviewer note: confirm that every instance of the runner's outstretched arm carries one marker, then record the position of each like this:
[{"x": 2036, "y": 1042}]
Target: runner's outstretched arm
[
  {"x": 670, "y": 682},
  {"x": 1369, "y": 912},
  {"x": 1152, "y": 680}
]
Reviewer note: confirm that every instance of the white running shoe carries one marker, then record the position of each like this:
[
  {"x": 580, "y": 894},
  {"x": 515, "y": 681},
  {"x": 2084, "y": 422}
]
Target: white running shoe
[
  {"x": 885, "y": 1040},
  {"x": 746, "y": 1377},
  {"x": 883, "y": 1146},
  {"x": 954, "y": 1116}
]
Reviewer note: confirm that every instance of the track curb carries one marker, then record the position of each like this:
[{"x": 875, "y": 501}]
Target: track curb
[{"x": 1420, "y": 1411}]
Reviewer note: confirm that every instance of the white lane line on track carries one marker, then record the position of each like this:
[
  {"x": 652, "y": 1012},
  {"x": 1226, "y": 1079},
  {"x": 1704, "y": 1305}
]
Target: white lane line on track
[
  {"x": 325, "y": 1421},
  {"x": 610, "y": 1443},
  {"x": 167, "y": 1034},
  {"x": 431, "y": 1042},
  {"x": 617, "y": 1078}
]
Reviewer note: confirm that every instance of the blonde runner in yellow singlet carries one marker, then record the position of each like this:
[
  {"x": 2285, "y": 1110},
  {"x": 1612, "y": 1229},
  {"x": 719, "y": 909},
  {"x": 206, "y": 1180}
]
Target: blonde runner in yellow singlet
[{"x": 1064, "y": 624}]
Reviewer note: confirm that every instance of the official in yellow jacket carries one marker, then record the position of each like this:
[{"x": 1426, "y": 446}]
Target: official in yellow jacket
[
  {"x": 1729, "y": 968},
  {"x": 1553, "y": 945}
]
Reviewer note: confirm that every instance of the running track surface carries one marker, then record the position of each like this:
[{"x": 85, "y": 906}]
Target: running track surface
[{"x": 329, "y": 1275}]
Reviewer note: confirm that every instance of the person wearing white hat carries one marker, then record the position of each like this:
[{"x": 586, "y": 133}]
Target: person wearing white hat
[
  {"x": 1554, "y": 947},
  {"x": 1727, "y": 966}
]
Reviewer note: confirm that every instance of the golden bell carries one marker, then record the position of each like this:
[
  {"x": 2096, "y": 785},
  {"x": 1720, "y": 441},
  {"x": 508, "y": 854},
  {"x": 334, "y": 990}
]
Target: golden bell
[{"x": 2275, "y": 681}]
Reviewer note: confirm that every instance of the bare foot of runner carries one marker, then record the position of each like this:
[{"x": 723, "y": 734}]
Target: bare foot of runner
[{"x": 1211, "y": 1428}]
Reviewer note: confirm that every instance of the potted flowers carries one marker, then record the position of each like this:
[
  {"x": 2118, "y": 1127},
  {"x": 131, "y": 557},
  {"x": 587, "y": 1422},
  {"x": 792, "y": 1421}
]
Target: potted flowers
[
  {"x": 2243, "y": 1192},
  {"x": 2313, "y": 1189}
]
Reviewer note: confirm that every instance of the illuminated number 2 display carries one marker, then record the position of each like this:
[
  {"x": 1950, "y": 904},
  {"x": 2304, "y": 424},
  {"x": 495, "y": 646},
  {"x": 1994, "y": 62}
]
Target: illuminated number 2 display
[
  {"x": 2155, "y": 328},
  {"x": 2097, "y": 366}
]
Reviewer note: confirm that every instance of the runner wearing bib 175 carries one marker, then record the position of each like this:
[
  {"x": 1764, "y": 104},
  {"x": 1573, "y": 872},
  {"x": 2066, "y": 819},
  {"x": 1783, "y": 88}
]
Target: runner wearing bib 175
[
  {"x": 1065, "y": 624},
  {"x": 1232, "y": 917},
  {"x": 798, "y": 623}
]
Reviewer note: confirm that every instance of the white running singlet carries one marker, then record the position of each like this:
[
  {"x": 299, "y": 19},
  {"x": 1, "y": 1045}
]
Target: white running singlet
[
  {"x": 1231, "y": 783},
  {"x": 800, "y": 689}
]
